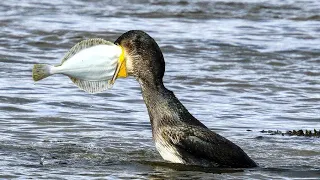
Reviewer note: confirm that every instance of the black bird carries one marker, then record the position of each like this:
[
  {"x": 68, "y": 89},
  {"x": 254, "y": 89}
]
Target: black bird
[{"x": 179, "y": 137}]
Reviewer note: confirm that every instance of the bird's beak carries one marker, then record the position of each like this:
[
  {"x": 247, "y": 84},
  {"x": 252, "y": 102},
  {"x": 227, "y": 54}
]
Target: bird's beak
[{"x": 121, "y": 70}]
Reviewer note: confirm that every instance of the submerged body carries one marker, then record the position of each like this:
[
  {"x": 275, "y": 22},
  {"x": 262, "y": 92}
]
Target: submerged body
[
  {"x": 90, "y": 64},
  {"x": 179, "y": 137}
]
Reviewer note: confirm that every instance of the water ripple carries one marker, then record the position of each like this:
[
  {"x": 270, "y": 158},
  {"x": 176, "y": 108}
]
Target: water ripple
[{"x": 239, "y": 67}]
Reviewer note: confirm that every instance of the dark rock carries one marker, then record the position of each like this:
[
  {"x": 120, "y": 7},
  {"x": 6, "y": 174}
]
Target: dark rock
[{"x": 300, "y": 132}]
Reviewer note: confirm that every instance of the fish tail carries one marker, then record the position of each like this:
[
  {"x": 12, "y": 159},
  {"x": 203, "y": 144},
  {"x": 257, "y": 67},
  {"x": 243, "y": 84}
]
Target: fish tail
[{"x": 41, "y": 71}]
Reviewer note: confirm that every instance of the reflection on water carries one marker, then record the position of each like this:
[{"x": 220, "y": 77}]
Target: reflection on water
[{"x": 236, "y": 65}]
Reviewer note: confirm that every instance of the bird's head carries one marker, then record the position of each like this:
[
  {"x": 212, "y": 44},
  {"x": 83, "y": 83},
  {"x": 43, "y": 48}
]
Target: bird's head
[{"x": 142, "y": 58}]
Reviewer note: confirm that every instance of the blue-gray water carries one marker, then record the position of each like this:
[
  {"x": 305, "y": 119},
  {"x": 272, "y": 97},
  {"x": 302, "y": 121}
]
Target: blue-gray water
[{"x": 236, "y": 65}]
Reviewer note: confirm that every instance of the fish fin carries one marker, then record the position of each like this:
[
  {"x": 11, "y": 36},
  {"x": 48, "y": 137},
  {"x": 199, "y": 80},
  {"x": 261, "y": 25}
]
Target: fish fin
[
  {"x": 83, "y": 45},
  {"x": 41, "y": 71},
  {"x": 91, "y": 86}
]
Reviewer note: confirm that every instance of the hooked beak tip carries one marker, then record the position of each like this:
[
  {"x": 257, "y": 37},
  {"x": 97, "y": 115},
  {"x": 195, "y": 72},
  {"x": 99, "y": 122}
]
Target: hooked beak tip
[{"x": 121, "y": 70}]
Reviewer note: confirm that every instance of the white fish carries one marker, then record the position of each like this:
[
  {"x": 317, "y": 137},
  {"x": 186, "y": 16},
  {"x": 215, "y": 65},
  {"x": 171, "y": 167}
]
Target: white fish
[{"x": 93, "y": 65}]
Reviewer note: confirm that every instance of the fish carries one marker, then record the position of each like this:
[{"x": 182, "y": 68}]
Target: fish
[{"x": 93, "y": 65}]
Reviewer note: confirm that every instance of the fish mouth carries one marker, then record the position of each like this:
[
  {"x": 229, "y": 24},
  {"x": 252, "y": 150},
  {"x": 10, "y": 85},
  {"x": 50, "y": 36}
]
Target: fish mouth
[{"x": 121, "y": 70}]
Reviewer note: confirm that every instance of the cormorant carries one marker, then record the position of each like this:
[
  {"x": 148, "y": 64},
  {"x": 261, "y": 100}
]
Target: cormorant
[{"x": 179, "y": 137}]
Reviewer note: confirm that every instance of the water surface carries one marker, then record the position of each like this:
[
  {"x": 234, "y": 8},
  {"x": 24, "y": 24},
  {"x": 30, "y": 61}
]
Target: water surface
[{"x": 236, "y": 65}]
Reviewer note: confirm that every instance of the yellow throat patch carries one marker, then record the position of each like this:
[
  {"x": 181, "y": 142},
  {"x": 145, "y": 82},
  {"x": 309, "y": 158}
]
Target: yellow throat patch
[{"x": 122, "y": 71}]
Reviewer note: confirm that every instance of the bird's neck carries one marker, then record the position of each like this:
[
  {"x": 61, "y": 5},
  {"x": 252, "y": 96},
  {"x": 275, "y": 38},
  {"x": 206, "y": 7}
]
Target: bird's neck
[
  {"x": 164, "y": 108},
  {"x": 157, "y": 102}
]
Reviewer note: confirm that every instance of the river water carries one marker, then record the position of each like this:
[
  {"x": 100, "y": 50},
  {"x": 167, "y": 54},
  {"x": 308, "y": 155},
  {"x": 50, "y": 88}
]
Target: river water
[{"x": 236, "y": 65}]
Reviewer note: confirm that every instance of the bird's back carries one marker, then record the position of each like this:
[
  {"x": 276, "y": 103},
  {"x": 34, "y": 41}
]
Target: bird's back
[
  {"x": 196, "y": 145},
  {"x": 181, "y": 138}
]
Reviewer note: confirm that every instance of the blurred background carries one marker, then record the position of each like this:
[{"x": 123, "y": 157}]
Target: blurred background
[{"x": 238, "y": 66}]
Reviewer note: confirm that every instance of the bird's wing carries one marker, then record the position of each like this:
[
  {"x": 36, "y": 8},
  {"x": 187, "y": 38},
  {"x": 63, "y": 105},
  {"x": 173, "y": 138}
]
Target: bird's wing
[{"x": 208, "y": 145}]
